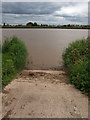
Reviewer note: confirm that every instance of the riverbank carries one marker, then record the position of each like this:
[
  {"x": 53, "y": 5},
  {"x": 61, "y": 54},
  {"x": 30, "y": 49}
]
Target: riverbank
[{"x": 46, "y": 93}]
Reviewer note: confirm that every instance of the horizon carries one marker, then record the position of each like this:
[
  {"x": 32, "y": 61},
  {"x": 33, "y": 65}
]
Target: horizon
[{"x": 45, "y": 24}]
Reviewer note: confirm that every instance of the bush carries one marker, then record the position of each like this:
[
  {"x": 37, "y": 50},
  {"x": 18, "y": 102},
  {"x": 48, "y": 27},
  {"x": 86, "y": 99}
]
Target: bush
[
  {"x": 76, "y": 59},
  {"x": 15, "y": 48},
  {"x": 14, "y": 58},
  {"x": 6, "y": 45},
  {"x": 7, "y": 68}
]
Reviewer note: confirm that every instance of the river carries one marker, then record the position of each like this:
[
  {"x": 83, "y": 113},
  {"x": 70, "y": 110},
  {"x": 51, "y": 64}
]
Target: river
[{"x": 45, "y": 46}]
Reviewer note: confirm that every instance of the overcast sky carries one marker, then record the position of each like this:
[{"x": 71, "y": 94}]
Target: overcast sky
[{"x": 45, "y": 12}]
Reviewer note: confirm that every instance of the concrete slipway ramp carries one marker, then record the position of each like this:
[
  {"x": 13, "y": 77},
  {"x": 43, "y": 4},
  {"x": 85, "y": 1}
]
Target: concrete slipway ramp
[{"x": 43, "y": 94}]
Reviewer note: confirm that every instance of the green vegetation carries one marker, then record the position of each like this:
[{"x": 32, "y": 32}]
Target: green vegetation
[
  {"x": 32, "y": 24},
  {"x": 14, "y": 56},
  {"x": 76, "y": 58},
  {"x": 36, "y": 25}
]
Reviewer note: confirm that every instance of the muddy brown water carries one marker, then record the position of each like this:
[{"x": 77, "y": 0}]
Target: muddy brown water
[{"x": 45, "y": 46}]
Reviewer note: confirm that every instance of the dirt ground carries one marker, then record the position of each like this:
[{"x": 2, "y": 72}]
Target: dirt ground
[{"x": 43, "y": 94}]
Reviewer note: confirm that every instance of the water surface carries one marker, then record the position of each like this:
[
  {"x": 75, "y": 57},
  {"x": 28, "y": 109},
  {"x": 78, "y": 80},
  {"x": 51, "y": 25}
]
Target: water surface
[{"x": 45, "y": 46}]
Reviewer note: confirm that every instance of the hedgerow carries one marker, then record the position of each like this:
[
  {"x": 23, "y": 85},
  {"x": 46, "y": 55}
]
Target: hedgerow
[{"x": 76, "y": 59}]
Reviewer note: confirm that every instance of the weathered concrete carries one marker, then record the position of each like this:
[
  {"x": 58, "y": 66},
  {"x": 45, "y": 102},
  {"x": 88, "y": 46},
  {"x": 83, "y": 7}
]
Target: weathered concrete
[{"x": 43, "y": 94}]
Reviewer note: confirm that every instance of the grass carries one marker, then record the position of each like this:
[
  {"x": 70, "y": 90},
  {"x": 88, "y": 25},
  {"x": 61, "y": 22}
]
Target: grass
[
  {"x": 14, "y": 56},
  {"x": 76, "y": 58}
]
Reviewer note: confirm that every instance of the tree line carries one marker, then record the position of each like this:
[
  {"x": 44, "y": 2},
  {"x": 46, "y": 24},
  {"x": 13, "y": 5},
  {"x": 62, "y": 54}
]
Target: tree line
[{"x": 36, "y": 25}]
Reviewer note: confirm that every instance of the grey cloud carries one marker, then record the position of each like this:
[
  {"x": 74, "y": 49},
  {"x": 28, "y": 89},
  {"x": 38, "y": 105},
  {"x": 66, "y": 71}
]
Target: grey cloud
[
  {"x": 32, "y": 7},
  {"x": 75, "y": 18},
  {"x": 41, "y": 12},
  {"x": 78, "y": 19},
  {"x": 29, "y": 8}
]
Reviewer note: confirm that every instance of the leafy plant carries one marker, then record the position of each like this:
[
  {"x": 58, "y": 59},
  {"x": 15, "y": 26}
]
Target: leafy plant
[
  {"x": 18, "y": 52},
  {"x": 76, "y": 59},
  {"x": 7, "y": 68},
  {"x": 13, "y": 59}
]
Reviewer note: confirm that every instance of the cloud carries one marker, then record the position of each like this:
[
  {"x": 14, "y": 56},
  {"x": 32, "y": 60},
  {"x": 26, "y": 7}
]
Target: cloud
[
  {"x": 45, "y": 12},
  {"x": 74, "y": 12},
  {"x": 29, "y": 8},
  {"x": 79, "y": 9},
  {"x": 45, "y": 0}
]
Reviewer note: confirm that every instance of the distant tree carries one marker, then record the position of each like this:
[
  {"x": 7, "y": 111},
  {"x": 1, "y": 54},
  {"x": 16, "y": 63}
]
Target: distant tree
[
  {"x": 35, "y": 24},
  {"x": 64, "y": 25},
  {"x": 68, "y": 25},
  {"x": 29, "y": 24},
  {"x": 4, "y": 24}
]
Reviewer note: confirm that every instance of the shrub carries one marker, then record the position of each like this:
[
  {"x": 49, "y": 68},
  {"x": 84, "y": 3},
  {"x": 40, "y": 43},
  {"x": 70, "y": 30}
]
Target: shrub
[
  {"x": 76, "y": 59},
  {"x": 79, "y": 74},
  {"x": 13, "y": 58},
  {"x": 7, "y": 68},
  {"x": 17, "y": 50},
  {"x": 6, "y": 45}
]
